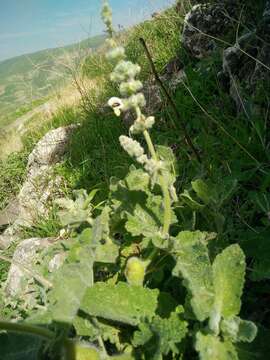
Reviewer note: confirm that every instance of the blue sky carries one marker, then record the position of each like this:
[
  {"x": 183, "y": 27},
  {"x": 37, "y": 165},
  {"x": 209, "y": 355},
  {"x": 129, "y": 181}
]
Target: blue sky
[{"x": 31, "y": 25}]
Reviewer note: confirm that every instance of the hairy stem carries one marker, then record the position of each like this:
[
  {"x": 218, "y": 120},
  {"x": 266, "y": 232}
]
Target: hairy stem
[
  {"x": 164, "y": 187},
  {"x": 27, "y": 329}
]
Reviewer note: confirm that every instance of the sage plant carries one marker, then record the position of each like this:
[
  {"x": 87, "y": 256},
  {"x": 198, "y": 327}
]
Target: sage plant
[{"x": 125, "y": 74}]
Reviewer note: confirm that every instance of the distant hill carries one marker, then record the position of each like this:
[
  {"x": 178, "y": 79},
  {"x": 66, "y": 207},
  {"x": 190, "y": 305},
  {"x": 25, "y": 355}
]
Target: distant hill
[{"x": 27, "y": 79}]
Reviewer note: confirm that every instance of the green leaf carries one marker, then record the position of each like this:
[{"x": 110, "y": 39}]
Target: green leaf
[
  {"x": 236, "y": 329},
  {"x": 258, "y": 349},
  {"x": 210, "y": 347},
  {"x": 170, "y": 332},
  {"x": 228, "y": 275},
  {"x": 84, "y": 327},
  {"x": 137, "y": 180},
  {"x": 120, "y": 302},
  {"x": 193, "y": 204},
  {"x": 164, "y": 334},
  {"x": 171, "y": 167},
  {"x": 107, "y": 253},
  {"x": 69, "y": 286},
  {"x": 101, "y": 228},
  {"x": 193, "y": 265},
  {"x": 75, "y": 212},
  {"x": 147, "y": 219},
  {"x": 19, "y": 347},
  {"x": 203, "y": 191}
]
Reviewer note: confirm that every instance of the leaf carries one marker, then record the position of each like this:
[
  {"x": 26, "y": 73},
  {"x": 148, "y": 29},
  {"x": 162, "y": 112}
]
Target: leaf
[
  {"x": 258, "y": 349},
  {"x": 76, "y": 212},
  {"x": 237, "y": 330},
  {"x": 210, "y": 347},
  {"x": 137, "y": 180},
  {"x": 170, "y": 332},
  {"x": 101, "y": 228},
  {"x": 19, "y": 347},
  {"x": 120, "y": 302},
  {"x": 147, "y": 219},
  {"x": 228, "y": 276},
  {"x": 69, "y": 285},
  {"x": 203, "y": 191},
  {"x": 84, "y": 327},
  {"x": 107, "y": 253},
  {"x": 193, "y": 265},
  {"x": 161, "y": 336},
  {"x": 171, "y": 167},
  {"x": 193, "y": 204}
]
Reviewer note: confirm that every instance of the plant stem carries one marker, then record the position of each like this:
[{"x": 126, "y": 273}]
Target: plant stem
[
  {"x": 27, "y": 329},
  {"x": 164, "y": 187},
  {"x": 150, "y": 145}
]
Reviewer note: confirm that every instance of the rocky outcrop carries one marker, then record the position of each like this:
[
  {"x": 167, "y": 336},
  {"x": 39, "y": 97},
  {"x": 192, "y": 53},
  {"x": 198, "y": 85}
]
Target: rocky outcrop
[
  {"x": 203, "y": 24},
  {"x": 246, "y": 64},
  {"x": 41, "y": 185},
  {"x": 21, "y": 270}
]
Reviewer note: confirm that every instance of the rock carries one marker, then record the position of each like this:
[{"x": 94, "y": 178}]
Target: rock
[
  {"x": 24, "y": 259},
  {"x": 242, "y": 74},
  {"x": 41, "y": 185},
  {"x": 10, "y": 213},
  {"x": 50, "y": 149},
  {"x": 36, "y": 195},
  {"x": 202, "y": 23}
]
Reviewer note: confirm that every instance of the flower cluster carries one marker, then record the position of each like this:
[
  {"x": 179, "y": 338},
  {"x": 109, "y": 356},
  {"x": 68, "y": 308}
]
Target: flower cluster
[
  {"x": 125, "y": 74},
  {"x": 134, "y": 149}
]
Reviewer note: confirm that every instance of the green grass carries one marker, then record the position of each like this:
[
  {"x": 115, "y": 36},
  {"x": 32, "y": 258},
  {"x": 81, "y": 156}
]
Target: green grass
[{"x": 12, "y": 172}]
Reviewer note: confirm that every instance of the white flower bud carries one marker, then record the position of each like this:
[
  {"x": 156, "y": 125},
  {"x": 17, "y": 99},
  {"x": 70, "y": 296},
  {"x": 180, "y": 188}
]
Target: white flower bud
[
  {"x": 130, "y": 87},
  {"x": 110, "y": 42},
  {"x": 132, "y": 147},
  {"x": 125, "y": 70},
  {"x": 152, "y": 166},
  {"x": 106, "y": 15},
  {"x": 137, "y": 100},
  {"x": 116, "y": 54},
  {"x": 142, "y": 159},
  {"x": 116, "y": 104},
  {"x": 149, "y": 122}
]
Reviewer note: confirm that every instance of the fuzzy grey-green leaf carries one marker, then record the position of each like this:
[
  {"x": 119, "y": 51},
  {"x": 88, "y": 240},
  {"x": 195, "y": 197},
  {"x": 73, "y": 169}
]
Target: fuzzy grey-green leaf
[
  {"x": 193, "y": 265},
  {"x": 120, "y": 302}
]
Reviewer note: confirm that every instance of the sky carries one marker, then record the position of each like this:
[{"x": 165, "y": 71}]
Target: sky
[{"x": 31, "y": 25}]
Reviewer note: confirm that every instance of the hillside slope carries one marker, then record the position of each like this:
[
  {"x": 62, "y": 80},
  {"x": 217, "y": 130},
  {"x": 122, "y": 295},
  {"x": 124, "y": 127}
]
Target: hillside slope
[{"x": 26, "y": 80}]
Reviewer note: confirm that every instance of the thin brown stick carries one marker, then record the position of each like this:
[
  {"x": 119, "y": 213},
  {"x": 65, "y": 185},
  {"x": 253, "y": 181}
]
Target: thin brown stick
[{"x": 172, "y": 103}]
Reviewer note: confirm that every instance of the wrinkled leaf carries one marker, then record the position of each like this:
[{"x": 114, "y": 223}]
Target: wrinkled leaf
[
  {"x": 147, "y": 219},
  {"x": 121, "y": 302},
  {"x": 69, "y": 285},
  {"x": 165, "y": 334},
  {"x": 193, "y": 265},
  {"x": 237, "y": 330},
  {"x": 210, "y": 347},
  {"x": 228, "y": 275},
  {"x": 137, "y": 180}
]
